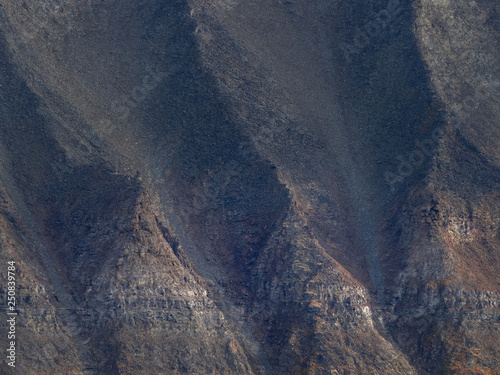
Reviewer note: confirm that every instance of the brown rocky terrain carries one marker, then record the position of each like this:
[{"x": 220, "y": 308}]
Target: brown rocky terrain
[{"x": 251, "y": 187}]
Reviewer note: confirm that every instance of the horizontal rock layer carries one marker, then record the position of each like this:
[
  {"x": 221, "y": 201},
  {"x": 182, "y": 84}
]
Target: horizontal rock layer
[{"x": 259, "y": 187}]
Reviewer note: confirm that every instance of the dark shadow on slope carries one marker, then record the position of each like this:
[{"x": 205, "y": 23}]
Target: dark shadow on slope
[
  {"x": 62, "y": 200},
  {"x": 223, "y": 190},
  {"x": 389, "y": 110},
  {"x": 224, "y": 199}
]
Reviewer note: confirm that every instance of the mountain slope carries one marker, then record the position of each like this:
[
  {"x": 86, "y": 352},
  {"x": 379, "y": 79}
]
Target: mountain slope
[{"x": 229, "y": 187}]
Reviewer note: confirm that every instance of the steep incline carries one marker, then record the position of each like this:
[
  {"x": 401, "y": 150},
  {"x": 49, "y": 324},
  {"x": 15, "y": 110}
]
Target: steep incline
[{"x": 251, "y": 187}]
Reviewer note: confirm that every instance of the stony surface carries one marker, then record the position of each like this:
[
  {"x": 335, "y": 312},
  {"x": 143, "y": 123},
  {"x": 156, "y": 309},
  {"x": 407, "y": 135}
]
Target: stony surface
[{"x": 257, "y": 187}]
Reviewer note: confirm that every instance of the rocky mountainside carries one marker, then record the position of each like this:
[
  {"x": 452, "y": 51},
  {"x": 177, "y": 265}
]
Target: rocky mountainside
[{"x": 250, "y": 187}]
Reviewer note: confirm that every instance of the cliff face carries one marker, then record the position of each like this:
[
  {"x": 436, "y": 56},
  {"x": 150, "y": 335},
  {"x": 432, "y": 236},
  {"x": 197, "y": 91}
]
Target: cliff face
[{"x": 258, "y": 187}]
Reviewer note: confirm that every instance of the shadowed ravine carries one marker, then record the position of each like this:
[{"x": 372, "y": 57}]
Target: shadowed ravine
[{"x": 257, "y": 187}]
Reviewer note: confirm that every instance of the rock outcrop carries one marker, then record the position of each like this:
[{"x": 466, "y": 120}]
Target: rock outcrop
[{"x": 258, "y": 187}]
